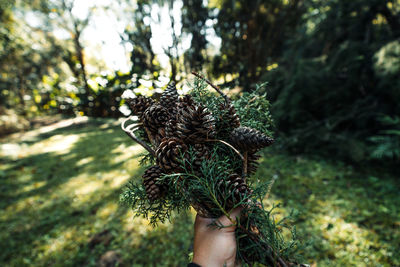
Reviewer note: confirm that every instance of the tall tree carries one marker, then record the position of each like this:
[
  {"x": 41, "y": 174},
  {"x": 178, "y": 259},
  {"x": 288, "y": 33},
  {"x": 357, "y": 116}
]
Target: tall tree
[
  {"x": 138, "y": 33},
  {"x": 253, "y": 34},
  {"x": 75, "y": 26},
  {"x": 6, "y": 47},
  {"x": 194, "y": 17},
  {"x": 185, "y": 19},
  {"x": 22, "y": 66}
]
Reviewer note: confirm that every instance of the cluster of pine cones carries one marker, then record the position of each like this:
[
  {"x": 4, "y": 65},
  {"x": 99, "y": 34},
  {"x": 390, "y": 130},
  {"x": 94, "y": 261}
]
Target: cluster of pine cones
[{"x": 177, "y": 126}]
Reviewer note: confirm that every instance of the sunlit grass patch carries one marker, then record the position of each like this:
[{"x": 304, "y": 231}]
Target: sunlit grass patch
[
  {"x": 61, "y": 190},
  {"x": 345, "y": 217}
]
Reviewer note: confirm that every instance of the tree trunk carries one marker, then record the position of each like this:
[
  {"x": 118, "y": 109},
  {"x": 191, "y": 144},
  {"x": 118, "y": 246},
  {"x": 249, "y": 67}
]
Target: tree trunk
[{"x": 80, "y": 56}]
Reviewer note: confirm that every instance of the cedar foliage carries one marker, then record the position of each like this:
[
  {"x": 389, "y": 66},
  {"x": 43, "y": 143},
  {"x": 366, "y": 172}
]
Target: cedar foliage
[{"x": 210, "y": 179}]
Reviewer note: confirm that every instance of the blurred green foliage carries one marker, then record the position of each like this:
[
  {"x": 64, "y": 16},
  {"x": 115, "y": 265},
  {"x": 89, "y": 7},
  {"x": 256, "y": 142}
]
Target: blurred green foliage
[
  {"x": 388, "y": 141},
  {"x": 332, "y": 66},
  {"x": 337, "y": 77}
]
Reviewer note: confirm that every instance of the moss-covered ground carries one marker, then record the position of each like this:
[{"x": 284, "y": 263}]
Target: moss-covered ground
[{"x": 60, "y": 186}]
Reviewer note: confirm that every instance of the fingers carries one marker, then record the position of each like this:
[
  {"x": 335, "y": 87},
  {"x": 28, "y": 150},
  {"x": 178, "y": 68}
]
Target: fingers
[
  {"x": 215, "y": 246},
  {"x": 225, "y": 221},
  {"x": 202, "y": 222},
  {"x": 236, "y": 212},
  {"x": 228, "y": 224}
]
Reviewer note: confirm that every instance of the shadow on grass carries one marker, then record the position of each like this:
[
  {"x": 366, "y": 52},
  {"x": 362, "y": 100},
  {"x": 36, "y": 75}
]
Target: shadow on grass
[
  {"x": 39, "y": 204},
  {"x": 165, "y": 245},
  {"x": 53, "y": 169}
]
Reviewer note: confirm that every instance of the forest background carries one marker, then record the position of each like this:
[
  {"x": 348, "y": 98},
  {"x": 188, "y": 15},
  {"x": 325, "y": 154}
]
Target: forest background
[{"x": 331, "y": 69}]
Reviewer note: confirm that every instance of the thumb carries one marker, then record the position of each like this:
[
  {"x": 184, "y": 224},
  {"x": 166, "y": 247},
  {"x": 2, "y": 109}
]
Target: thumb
[{"x": 231, "y": 221}]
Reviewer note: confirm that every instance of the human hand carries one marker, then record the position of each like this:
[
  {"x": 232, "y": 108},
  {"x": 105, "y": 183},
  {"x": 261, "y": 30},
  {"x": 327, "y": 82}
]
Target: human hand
[{"x": 214, "y": 246}]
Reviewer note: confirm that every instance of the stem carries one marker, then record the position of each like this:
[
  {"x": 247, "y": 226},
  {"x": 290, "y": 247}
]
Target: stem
[
  {"x": 151, "y": 137},
  {"x": 272, "y": 260},
  {"x": 245, "y": 155},
  {"x": 227, "y": 144},
  {"x": 227, "y": 100},
  {"x": 214, "y": 198},
  {"x": 269, "y": 188},
  {"x": 129, "y": 131},
  {"x": 281, "y": 262}
]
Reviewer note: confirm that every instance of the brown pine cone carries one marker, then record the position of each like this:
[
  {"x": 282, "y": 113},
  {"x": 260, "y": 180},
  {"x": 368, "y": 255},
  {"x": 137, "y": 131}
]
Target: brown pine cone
[
  {"x": 234, "y": 188},
  {"x": 169, "y": 98},
  {"x": 170, "y": 154},
  {"x": 245, "y": 139},
  {"x": 185, "y": 101},
  {"x": 153, "y": 190},
  {"x": 158, "y": 136},
  {"x": 252, "y": 162},
  {"x": 170, "y": 128},
  {"x": 201, "y": 153},
  {"x": 230, "y": 118},
  {"x": 139, "y": 104},
  {"x": 237, "y": 185},
  {"x": 194, "y": 123},
  {"x": 155, "y": 117}
]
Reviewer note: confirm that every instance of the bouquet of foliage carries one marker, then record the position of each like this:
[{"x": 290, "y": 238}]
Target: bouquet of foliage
[{"x": 202, "y": 148}]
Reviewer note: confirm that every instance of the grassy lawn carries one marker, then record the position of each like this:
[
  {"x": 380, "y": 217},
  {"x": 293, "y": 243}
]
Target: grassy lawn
[{"x": 59, "y": 192}]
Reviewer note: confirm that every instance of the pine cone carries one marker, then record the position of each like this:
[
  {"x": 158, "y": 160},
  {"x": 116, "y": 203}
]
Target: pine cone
[
  {"x": 202, "y": 210},
  {"x": 155, "y": 117},
  {"x": 246, "y": 139},
  {"x": 170, "y": 128},
  {"x": 150, "y": 176},
  {"x": 252, "y": 162},
  {"x": 169, "y": 154},
  {"x": 159, "y": 136},
  {"x": 195, "y": 123},
  {"x": 230, "y": 118},
  {"x": 235, "y": 188},
  {"x": 201, "y": 153},
  {"x": 237, "y": 185},
  {"x": 185, "y": 101},
  {"x": 139, "y": 104},
  {"x": 169, "y": 98}
]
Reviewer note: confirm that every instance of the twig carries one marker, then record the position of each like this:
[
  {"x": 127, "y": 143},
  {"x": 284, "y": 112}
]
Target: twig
[
  {"x": 129, "y": 131},
  {"x": 245, "y": 159},
  {"x": 227, "y": 100},
  {"x": 270, "y": 187},
  {"x": 151, "y": 137},
  {"x": 227, "y": 144},
  {"x": 272, "y": 258}
]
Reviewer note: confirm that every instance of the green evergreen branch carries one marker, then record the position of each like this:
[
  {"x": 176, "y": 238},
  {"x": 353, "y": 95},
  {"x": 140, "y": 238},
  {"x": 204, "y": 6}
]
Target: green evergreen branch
[
  {"x": 227, "y": 100},
  {"x": 209, "y": 187}
]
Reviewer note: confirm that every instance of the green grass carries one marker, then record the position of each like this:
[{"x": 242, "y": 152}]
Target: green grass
[
  {"x": 59, "y": 189},
  {"x": 345, "y": 217}
]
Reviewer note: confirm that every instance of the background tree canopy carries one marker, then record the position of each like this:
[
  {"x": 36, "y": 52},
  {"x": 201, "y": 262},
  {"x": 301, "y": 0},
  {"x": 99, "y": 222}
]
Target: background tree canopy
[
  {"x": 332, "y": 66},
  {"x": 329, "y": 68}
]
